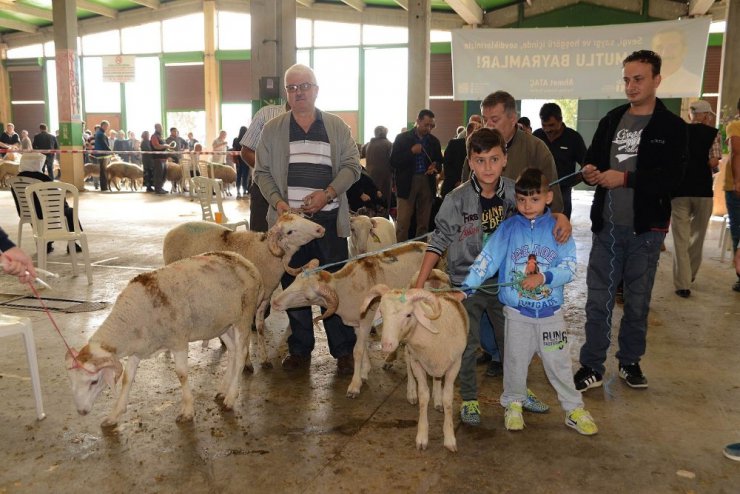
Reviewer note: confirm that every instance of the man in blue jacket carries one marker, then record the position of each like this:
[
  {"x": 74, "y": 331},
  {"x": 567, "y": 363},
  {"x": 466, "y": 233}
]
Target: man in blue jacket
[
  {"x": 636, "y": 160},
  {"x": 102, "y": 144}
]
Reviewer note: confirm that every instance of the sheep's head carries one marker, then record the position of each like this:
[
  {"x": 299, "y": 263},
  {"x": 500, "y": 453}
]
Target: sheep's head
[
  {"x": 290, "y": 232},
  {"x": 88, "y": 375},
  {"x": 360, "y": 228},
  {"x": 403, "y": 311},
  {"x": 309, "y": 289}
]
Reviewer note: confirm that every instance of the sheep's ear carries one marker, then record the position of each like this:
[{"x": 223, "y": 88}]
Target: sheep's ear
[
  {"x": 373, "y": 222},
  {"x": 375, "y": 292},
  {"x": 70, "y": 357},
  {"x": 111, "y": 370}
]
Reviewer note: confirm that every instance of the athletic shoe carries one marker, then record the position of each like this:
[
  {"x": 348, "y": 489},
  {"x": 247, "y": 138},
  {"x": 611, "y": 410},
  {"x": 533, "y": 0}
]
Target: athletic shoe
[
  {"x": 732, "y": 451},
  {"x": 533, "y": 404},
  {"x": 587, "y": 378},
  {"x": 580, "y": 420},
  {"x": 736, "y": 286},
  {"x": 470, "y": 412},
  {"x": 495, "y": 369},
  {"x": 483, "y": 358},
  {"x": 683, "y": 293},
  {"x": 513, "y": 418},
  {"x": 633, "y": 376},
  {"x": 619, "y": 295}
]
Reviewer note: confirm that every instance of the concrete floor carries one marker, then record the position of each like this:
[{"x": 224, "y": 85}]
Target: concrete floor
[{"x": 298, "y": 433}]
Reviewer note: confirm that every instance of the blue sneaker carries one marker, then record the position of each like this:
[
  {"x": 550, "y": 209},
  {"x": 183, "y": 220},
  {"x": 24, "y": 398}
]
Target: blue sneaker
[
  {"x": 470, "y": 412},
  {"x": 533, "y": 404}
]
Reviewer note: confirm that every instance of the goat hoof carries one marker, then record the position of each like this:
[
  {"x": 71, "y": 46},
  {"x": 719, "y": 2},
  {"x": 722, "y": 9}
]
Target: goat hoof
[
  {"x": 353, "y": 394},
  {"x": 184, "y": 418},
  {"x": 220, "y": 397},
  {"x": 267, "y": 365},
  {"x": 439, "y": 408},
  {"x": 387, "y": 366},
  {"x": 249, "y": 369},
  {"x": 108, "y": 423},
  {"x": 452, "y": 446},
  {"x": 421, "y": 445}
]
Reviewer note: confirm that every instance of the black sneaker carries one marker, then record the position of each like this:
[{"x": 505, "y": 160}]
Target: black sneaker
[
  {"x": 484, "y": 358},
  {"x": 736, "y": 286},
  {"x": 587, "y": 378},
  {"x": 633, "y": 376},
  {"x": 495, "y": 369}
]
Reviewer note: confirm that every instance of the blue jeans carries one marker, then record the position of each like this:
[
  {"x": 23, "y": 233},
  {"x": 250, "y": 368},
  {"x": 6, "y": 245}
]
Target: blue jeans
[
  {"x": 329, "y": 248},
  {"x": 487, "y": 339},
  {"x": 242, "y": 177},
  {"x": 733, "y": 211},
  {"x": 618, "y": 254}
]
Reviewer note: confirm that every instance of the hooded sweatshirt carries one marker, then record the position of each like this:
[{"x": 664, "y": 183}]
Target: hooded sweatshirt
[{"x": 520, "y": 247}]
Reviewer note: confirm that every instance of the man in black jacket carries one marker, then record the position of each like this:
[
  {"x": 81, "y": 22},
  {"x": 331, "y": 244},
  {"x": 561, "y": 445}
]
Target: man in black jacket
[
  {"x": 416, "y": 158},
  {"x": 636, "y": 160},
  {"x": 44, "y": 140}
]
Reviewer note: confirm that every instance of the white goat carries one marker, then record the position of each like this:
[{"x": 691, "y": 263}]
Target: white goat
[
  {"x": 164, "y": 310},
  {"x": 343, "y": 292},
  {"x": 434, "y": 329},
  {"x": 370, "y": 234},
  {"x": 270, "y": 252}
]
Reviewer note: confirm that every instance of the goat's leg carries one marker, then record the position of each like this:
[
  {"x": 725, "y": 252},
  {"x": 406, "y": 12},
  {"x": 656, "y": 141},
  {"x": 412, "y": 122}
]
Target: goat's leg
[
  {"x": 132, "y": 364},
  {"x": 422, "y": 431},
  {"x": 181, "y": 369},
  {"x": 259, "y": 321},
  {"x": 411, "y": 395},
  {"x": 228, "y": 339},
  {"x": 235, "y": 364},
  {"x": 362, "y": 332},
  {"x": 437, "y": 394},
  {"x": 447, "y": 395}
]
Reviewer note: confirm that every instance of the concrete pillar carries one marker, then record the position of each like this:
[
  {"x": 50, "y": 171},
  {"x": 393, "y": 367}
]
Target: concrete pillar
[
  {"x": 68, "y": 91},
  {"x": 729, "y": 81},
  {"x": 273, "y": 42},
  {"x": 4, "y": 86},
  {"x": 211, "y": 73},
  {"x": 419, "y": 21}
]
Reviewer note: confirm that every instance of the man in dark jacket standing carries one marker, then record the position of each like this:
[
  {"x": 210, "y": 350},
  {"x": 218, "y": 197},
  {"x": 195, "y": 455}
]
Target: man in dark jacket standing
[
  {"x": 636, "y": 160},
  {"x": 377, "y": 154},
  {"x": 44, "y": 140},
  {"x": 416, "y": 158},
  {"x": 102, "y": 153}
]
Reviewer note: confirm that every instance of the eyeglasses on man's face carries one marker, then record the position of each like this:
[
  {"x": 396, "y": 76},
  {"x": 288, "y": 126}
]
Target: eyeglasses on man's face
[{"x": 305, "y": 86}]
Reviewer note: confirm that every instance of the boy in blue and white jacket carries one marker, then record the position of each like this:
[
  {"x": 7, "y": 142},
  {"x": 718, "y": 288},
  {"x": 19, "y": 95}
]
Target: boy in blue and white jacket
[{"x": 524, "y": 252}]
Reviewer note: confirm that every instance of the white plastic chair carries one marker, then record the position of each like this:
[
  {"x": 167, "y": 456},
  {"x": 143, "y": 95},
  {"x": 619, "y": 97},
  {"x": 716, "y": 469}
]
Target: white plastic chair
[
  {"x": 209, "y": 193},
  {"x": 725, "y": 239},
  {"x": 9, "y": 326},
  {"x": 19, "y": 184},
  {"x": 53, "y": 226}
]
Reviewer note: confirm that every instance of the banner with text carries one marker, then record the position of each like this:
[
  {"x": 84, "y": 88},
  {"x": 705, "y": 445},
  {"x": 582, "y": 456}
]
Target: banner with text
[
  {"x": 575, "y": 62},
  {"x": 119, "y": 68}
]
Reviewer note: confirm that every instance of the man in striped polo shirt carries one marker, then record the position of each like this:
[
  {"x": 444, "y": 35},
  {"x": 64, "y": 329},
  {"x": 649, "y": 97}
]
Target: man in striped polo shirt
[{"x": 306, "y": 160}]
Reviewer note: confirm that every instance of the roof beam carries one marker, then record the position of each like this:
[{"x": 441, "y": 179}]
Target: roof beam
[
  {"x": 305, "y": 3},
  {"x": 27, "y": 10},
  {"x": 18, "y": 25},
  {"x": 404, "y": 4},
  {"x": 469, "y": 10},
  {"x": 97, "y": 9},
  {"x": 699, "y": 7},
  {"x": 358, "y": 5},
  {"x": 152, "y": 4}
]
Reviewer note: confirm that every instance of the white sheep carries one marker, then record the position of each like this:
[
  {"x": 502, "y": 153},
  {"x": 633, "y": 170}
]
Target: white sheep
[
  {"x": 343, "y": 292},
  {"x": 370, "y": 234},
  {"x": 434, "y": 329},
  {"x": 270, "y": 252},
  {"x": 165, "y": 310}
]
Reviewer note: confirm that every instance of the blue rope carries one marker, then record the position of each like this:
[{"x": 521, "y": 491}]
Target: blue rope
[
  {"x": 554, "y": 182},
  {"x": 362, "y": 256}
]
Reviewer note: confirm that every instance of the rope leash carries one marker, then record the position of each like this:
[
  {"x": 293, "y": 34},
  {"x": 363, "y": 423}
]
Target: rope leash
[{"x": 362, "y": 256}]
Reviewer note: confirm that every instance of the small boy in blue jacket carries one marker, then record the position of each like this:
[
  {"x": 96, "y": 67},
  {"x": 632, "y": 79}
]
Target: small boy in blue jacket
[{"x": 524, "y": 252}]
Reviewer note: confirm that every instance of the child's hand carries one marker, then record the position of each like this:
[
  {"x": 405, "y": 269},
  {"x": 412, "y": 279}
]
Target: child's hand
[
  {"x": 532, "y": 281},
  {"x": 459, "y": 296}
]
